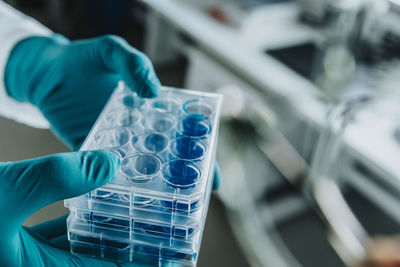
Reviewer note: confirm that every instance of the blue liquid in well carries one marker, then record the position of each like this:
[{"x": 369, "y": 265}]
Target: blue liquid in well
[
  {"x": 195, "y": 125},
  {"x": 182, "y": 173},
  {"x": 189, "y": 148}
]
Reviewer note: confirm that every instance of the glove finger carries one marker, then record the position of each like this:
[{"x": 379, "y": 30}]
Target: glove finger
[
  {"x": 136, "y": 69},
  {"x": 217, "y": 177},
  {"x": 52, "y": 229},
  {"x": 38, "y": 182}
]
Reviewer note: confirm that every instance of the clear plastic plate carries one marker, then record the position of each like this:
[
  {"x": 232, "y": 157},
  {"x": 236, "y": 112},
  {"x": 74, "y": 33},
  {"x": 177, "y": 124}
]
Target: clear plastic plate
[{"x": 159, "y": 199}]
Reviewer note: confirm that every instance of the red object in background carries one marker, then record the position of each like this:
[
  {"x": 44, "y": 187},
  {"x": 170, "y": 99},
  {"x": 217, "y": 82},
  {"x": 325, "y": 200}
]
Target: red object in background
[{"x": 218, "y": 14}]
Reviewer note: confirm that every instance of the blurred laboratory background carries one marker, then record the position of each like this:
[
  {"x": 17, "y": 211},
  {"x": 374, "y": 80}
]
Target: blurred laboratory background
[{"x": 309, "y": 142}]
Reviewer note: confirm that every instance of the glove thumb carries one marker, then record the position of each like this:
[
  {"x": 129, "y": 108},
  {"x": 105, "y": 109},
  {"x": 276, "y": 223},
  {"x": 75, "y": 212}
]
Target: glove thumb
[{"x": 32, "y": 184}]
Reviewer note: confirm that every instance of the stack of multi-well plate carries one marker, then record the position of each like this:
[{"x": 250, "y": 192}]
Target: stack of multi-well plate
[{"x": 154, "y": 211}]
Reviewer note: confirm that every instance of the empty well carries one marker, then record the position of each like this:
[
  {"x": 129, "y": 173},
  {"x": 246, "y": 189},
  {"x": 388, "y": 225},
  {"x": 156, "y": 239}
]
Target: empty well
[
  {"x": 194, "y": 125},
  {"x": 112, "y": 137},
  {"x": 166, "y": 105},
  {"x": 123, "y": 117},
  {"x": 159, "y": 121},
  {"x": 141, "y": 167}
]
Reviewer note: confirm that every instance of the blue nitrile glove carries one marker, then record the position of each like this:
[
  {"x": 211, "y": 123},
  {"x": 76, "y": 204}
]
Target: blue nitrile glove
[
  {"x": 70, "y": 82},
  {"x": 29, "y": 185},
  {"x": 217, "y": 177}
]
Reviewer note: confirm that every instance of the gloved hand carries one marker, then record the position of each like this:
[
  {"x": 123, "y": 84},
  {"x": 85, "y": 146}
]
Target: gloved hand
[
  {"x": 29, "y": 185},
  {"x": 70, "y": 82}
]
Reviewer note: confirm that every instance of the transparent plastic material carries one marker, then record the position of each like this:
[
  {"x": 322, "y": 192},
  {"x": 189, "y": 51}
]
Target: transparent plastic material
[{"x": 154, "y": 210}]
